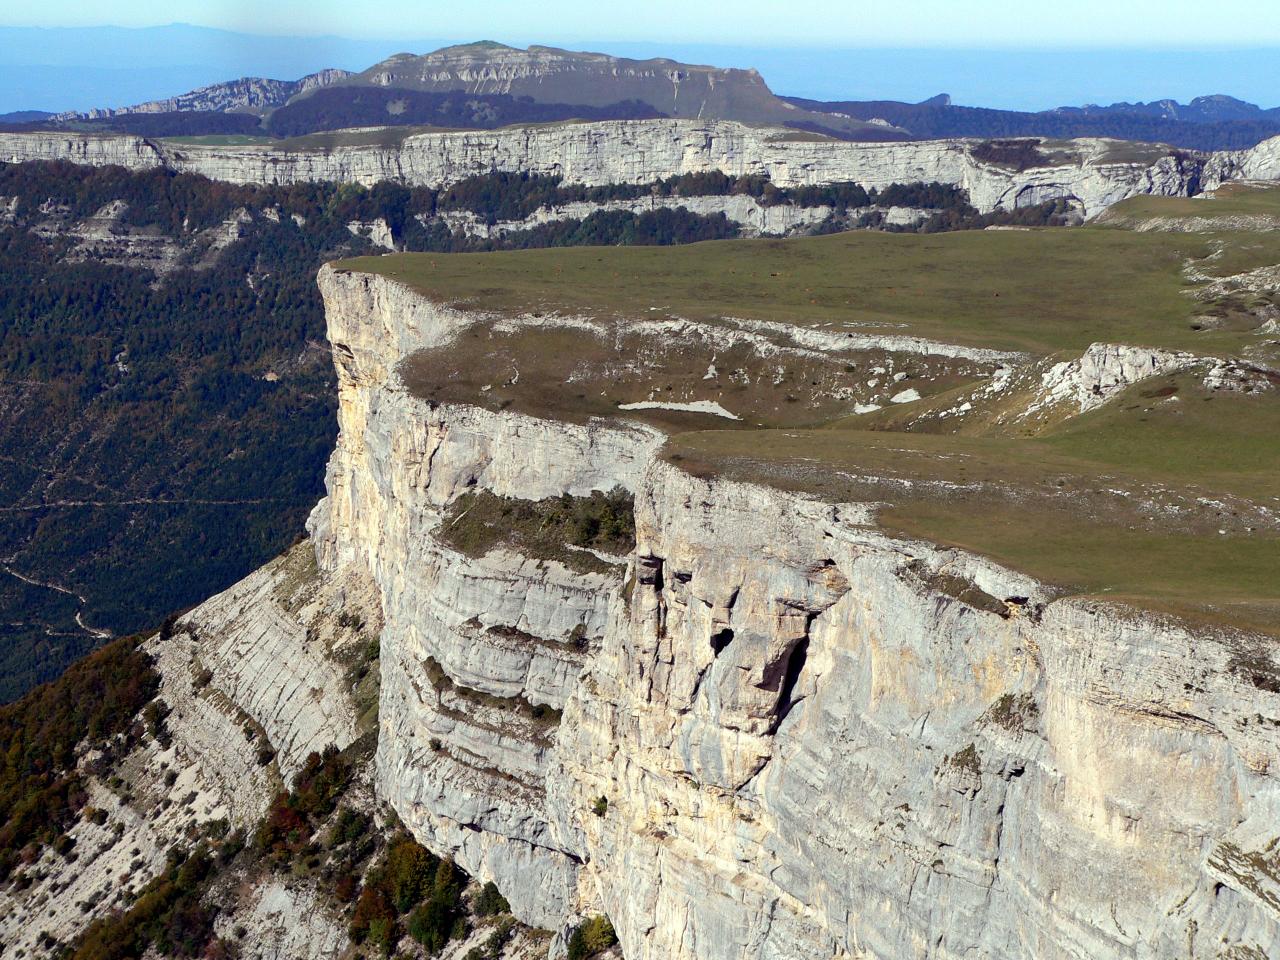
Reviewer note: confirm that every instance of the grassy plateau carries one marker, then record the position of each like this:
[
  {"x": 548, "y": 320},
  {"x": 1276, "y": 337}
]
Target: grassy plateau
[{"x": 1165, "y": 498}]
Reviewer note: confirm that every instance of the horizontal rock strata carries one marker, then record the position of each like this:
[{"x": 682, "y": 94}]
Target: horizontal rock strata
[
  {"x": 778, "y": 732},
  {"x": 642, "y": 151}
]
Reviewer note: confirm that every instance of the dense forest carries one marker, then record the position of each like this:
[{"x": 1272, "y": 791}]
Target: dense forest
[
  {"x": 163, "y": 436},
  {"x": 338, "y": 108},
  {"x": 150, "y": 459}
]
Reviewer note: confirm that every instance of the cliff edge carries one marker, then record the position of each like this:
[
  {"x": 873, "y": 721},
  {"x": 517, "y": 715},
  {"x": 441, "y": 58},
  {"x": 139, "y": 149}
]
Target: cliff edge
[
  {"x": 773, "y": 728},
  {"x": 1093, "y": 173}
]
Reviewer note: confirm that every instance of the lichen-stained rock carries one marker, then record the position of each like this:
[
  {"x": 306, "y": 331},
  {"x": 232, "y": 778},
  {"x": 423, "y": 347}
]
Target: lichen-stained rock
[{"x": 789, "y": 735}]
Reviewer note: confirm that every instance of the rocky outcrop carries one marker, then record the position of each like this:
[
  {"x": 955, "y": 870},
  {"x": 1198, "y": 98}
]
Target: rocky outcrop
[
  {"x": 250, "y": 682},
  {"x": 780, "y": 732},
  {"x": 643, "y": 151},
  {"x": 1257, "y": 163},
  {"x": 754, "y": 218},
  {"x": 1105, "y": 370},
  {"x": 108, "y": 237},
  {"x": 1100, "y": 373},
  {"x": 246, "y": 95}
]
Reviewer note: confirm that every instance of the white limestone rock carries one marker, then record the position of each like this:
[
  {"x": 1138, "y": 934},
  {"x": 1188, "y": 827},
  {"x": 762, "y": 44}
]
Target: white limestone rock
[
  {"x": 642, "y": 151},
  {"x": 774, "y": 733},
  {"x": 1097, "y": 801},
  {"x": 278, "y": 644},
  {"x": 1100, "y": 373},
  {"x": 805, "y": 746},
  {"x": 377, "y": 232},
  {"x": 283, "y": 920},
  {"x": 754, "y": 218}
]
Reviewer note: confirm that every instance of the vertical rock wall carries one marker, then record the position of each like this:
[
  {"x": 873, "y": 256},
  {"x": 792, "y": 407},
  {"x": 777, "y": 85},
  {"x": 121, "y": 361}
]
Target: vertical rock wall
[{"x": 786, "y": 736}]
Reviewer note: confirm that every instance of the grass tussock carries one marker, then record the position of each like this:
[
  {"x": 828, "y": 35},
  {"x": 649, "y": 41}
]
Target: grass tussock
[{"x": 550, "y": 529}]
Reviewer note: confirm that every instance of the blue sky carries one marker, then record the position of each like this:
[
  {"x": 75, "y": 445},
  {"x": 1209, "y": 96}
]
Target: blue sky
[
  {"x": 982, "y": 23},
  {"x": 996, "y": 53}
]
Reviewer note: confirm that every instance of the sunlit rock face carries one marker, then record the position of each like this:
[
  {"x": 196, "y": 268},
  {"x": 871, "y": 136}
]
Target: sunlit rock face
[
  {"x": 781, "y": 734},
  {"x": 643, "y": 151}
]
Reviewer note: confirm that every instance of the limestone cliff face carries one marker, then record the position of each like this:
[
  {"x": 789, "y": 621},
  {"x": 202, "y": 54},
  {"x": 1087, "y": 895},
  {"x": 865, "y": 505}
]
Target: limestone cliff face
[
  {"x": 468, "y": 777},
  {"x": 936, "y": 780},
  {"x": 753, "y": 217},
  {"x": 781, "y": 735},
  {"x": 642, "y": 151}
]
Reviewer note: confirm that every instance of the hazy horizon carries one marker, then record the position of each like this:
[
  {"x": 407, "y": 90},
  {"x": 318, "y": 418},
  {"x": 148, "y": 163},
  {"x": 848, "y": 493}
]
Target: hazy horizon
[
  {"x": 871, "y": 23},
  {"x": 75, "y": 68}
]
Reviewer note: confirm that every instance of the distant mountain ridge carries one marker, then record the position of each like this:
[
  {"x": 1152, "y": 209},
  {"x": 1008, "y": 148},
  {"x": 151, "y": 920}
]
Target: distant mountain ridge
[
  {"x": 484, "y": 85},
  {"x": 25, "y": 116},
  {"x": 1217, "y": 108},
  {"x": 493, "y": 79},
  {"x": 552, "y": 75},
  {"x": 1207, "y": 123},
  {"x": 245, "y": 95}
]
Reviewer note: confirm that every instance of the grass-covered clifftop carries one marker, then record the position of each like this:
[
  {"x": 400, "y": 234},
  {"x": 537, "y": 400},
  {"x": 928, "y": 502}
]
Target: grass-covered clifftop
[
  {"x": 167, "y": 398},
  {"x": 1033, "y": 290},
  {"x": 851, "y": 367}
]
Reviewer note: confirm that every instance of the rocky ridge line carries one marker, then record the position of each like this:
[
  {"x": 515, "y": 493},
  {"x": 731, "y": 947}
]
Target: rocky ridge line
[{"x": 643, "y": 151}]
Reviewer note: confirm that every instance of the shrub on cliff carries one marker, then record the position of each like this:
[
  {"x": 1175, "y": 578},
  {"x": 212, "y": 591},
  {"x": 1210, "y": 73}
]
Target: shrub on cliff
[
  {"x": 350, "y": 825},
  {"x": 594, "y": 935},
  {"x": 490, "y": 902},
  {"x": 97, "y": 699},
  {"x": 1016, "y": 154},
  {"x": 171, "y": 916},
  {"x": 286, "y": 830},
  {"x": 374, "y": 919},
  {"x": 413, "y": 885},
  {"x": 478, "y": 522}
]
